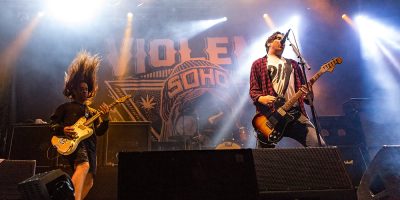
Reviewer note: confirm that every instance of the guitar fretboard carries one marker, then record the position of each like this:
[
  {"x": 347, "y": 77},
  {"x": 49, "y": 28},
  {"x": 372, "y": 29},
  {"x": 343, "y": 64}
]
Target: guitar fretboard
[
  {"x": 326, "y": 67},
  {"x": 97, "y": 115}
]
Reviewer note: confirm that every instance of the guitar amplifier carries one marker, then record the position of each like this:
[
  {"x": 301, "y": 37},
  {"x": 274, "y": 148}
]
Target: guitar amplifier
[
  {"x": 31, "y": 142},
  {"x": 125, "y": 136},
  {"x": 341, "y": 130}
]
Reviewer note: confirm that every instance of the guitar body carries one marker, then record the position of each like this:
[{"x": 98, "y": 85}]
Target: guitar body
[
  {"x": 270, "y": 128},
  {"x": 66, "y": 145}
]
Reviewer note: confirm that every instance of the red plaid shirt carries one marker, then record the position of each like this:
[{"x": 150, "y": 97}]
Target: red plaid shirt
[{"x": 261, "y": 85}]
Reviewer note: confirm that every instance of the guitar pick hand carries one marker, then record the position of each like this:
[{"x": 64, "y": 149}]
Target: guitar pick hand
[{"x": 70, "y": 131}]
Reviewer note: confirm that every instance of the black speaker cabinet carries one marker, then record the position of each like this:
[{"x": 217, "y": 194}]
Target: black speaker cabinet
[
  {"x": 273, "y": 174},
  {"x": 381, "y": 180},
  {"x": 341, "y": 130},
  {"x": 183, "y": 175},
  {"x": 11, "y": 173},
  {"x": 302, "y": 173},
  {"x": 31, "y": 142},
  {"x": 126, "y": 136},
  {"x": 50, "y": 185},
  {"x": 354, "y": 161}
]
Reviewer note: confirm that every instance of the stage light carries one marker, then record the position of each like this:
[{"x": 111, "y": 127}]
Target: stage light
[
  {"x": 125, "y": 49},
  {"x": 41, "y": 14},
  {"x": 73, "y": 11},
  {"x": 268, "y": 21},
  {"x": 347, "y": 19},
  {"x": 379, "y": 50},
  {"x": 209, "y": 23}
]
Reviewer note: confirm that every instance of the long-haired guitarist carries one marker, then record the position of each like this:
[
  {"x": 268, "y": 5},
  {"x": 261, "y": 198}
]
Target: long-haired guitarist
[
  {"x": 273, "y": 78},
  {"x": 80, "y": 87}
]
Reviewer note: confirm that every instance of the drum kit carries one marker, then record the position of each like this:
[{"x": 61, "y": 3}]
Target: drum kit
[
  {"x": 202, "y": 141},
  {"x": 187, "y": 131},
  {"x": 241, "y": 141}
]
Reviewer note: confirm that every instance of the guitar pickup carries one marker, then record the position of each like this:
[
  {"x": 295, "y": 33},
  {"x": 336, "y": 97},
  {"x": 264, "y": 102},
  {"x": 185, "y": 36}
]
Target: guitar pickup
[{"x": 272, "y": 122}]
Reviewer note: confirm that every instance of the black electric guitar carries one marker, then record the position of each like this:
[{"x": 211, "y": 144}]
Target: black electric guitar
[
  {"x": 66, "y": 145},
  {"x": 271, "y": 127}
]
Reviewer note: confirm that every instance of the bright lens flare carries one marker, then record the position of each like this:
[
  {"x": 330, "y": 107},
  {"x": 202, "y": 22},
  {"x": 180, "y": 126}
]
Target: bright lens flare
[{"x": 73, "y": 11}]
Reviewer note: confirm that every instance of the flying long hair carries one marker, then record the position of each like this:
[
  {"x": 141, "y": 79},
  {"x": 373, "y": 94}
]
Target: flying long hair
[{"x": 82, "y": 69}]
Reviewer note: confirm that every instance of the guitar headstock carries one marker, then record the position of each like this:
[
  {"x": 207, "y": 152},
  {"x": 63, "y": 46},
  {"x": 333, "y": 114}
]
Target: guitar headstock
[
  {"x": 123, "y": 99},
  {"x": 330, "y": 66}
]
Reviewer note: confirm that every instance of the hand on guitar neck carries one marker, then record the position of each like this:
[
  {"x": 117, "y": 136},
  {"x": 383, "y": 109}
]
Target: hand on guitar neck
[
  {"x": 308, "y": 95},
  {"x": 105, "y": 111},
  {"x": 266, "y": 100}
]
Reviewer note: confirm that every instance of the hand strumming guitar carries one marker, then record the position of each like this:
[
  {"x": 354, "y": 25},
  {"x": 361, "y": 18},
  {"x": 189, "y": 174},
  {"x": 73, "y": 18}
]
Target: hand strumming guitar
[{"x": 70, "y": 131}]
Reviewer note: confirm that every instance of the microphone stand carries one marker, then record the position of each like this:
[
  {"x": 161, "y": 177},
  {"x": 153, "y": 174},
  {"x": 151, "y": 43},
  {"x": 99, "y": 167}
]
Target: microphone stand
[{"x": 304, "y": 64}]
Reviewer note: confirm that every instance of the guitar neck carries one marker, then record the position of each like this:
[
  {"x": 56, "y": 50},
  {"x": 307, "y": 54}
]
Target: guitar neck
[
  {"x": 299, "y": 93},
  {"x": 329, "y": 66},
  {"x": 97, "y": 115}
]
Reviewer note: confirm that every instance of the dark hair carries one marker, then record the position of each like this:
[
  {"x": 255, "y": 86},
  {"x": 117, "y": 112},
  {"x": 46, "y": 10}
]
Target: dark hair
[
  {"x": 82, "y": 69},
  {"x": 271, "y": 38}
]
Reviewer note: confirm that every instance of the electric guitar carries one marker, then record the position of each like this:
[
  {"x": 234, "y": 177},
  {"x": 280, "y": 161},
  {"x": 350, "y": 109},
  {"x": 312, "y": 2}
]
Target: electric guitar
[
  {"x": 66, "y": 145},
  {"x": 270, "y": 128}
]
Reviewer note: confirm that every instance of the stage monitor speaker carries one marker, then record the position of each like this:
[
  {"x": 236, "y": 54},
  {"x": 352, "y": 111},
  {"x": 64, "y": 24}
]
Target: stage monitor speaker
[
  {"x": 31, "y": 142},
  {"x": 302, "y": 173},
  {"x": 381, "y": 181},
  {"x": 51, "y": 185},
  {"x": 182, "y": 175},
  {"x": 11, "y": 173},
  {"x": 126, "y": 136},
  {"x": 354, "y": 161}
]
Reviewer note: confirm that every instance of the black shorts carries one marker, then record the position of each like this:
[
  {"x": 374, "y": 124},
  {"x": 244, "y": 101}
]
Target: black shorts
[{"x": 81, "y": 155}]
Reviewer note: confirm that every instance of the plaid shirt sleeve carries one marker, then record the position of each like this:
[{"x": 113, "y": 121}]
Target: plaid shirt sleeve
[{"x": 260, "y": 83}]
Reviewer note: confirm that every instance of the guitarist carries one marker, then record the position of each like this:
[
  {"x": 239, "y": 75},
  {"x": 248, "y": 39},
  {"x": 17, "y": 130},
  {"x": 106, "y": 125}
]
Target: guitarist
[
  {"x": 272, "y": 76},
  {"x": 81, "y": 87}
]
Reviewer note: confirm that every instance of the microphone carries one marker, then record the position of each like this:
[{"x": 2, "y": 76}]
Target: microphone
[{"x": 285, "y": 37}]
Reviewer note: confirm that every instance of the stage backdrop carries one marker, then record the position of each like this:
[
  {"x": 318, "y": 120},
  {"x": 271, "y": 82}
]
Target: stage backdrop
[{"x": 179, "y": 73}]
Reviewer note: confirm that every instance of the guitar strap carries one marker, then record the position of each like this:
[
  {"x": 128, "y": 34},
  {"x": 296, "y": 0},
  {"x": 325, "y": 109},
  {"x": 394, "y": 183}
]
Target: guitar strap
[{"x": 87, "y": 112}]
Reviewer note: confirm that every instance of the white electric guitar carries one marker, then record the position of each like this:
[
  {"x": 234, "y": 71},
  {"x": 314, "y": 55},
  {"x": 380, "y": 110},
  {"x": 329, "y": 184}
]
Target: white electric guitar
[{"x": 66, "y": 145}]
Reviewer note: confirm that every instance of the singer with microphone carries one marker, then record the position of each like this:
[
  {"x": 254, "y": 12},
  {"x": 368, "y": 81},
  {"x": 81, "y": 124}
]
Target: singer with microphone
[{"x": 273, "y": 77}]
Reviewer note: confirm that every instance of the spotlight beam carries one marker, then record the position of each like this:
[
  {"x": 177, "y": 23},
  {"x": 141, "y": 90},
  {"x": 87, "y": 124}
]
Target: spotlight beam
[
  {"x": 191, "y": 29},
  {"x": 125, "y": 50}
]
